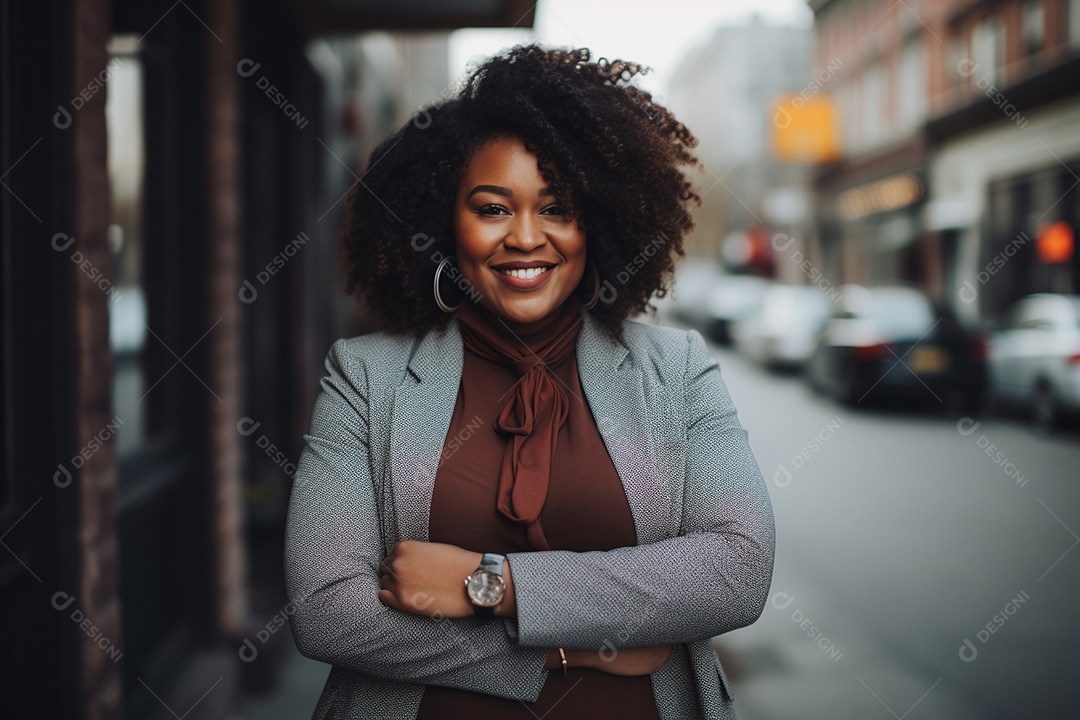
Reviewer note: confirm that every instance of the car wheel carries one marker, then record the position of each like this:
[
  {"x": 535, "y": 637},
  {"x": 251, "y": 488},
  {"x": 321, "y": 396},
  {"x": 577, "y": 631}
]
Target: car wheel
[
  {"x": 989, "y": 403},
  {"x": 969, "y": 403},
  {"x": 849, "y": 393},
  {"x": 1045, "y": 410},
  {"x": 977, "y": 402}
]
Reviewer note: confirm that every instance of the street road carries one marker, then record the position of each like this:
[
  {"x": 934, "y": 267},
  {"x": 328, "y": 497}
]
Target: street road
[{"x": 926, "y": 565}]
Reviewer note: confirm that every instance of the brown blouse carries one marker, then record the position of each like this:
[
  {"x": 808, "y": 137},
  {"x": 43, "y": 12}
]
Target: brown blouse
[{"x": 585, "y": 509}]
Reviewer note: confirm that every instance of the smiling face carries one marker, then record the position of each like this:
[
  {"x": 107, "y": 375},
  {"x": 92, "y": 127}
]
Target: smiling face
[{"x": 515, "y": 243}]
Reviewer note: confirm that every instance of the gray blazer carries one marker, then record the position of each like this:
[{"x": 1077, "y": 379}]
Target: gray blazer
[{"x": 702, "y": 566}]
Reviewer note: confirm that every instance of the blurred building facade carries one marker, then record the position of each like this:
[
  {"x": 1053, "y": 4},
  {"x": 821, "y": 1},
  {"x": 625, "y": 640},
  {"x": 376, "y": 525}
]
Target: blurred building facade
[
  {"x": 173, "y": 188},
  {"x": 723, "y": 92},
  {"x": 960, "y": 153}
]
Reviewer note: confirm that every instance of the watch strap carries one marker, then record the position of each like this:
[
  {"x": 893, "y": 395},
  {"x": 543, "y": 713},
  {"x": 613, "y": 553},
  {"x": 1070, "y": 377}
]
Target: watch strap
[
  {"x": 493, "y": 563},
  {"x": 486, "y": 612}
]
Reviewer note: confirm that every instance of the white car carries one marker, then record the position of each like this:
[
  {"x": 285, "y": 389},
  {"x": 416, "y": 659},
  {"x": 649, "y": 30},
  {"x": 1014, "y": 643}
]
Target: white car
[
  {"x": 694, "y": 279},
  {"x": 1035, "y": 357},
  {"x": 782, "y": 333},
  {"x": 732, "y": 297}
]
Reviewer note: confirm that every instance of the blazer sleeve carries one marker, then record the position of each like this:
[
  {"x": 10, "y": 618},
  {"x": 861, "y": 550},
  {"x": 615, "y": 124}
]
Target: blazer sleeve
[
  {"x": 712, "y": 578},
  {"x": 332, "y": 555}
]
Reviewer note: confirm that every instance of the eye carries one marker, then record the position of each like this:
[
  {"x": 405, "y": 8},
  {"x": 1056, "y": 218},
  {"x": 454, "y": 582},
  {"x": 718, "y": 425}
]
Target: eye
[
  {"x": 492, "y": 210},
  {"x": 555, "y": 210}
]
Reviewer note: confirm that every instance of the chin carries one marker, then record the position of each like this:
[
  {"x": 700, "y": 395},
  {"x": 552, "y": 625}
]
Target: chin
[{"x": 526, "y": 312}]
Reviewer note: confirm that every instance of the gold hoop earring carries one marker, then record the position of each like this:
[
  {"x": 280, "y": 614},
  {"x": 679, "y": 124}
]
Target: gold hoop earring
[
  {"x": 438, "y": 298},
  {"x": 596, "y": 291}
]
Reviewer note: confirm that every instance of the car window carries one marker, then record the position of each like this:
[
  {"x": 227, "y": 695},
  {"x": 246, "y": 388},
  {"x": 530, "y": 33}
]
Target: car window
[
  {"x": 1075, "y": 302},
  {"x": 901, "y": 314},
  {"x": 1034, "y": 313},
  {"x": 1015, "y": 317}
]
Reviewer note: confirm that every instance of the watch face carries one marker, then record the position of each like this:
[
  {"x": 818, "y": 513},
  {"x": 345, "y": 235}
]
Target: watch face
[{"x": 485, "y": 588}]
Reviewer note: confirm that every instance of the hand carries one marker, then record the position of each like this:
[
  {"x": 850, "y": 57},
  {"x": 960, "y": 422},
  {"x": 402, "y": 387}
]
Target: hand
[
  {"x": 631, "y": 661},
  {"x": 427, "y": 578},
  {"x": 625, "y": 661}
]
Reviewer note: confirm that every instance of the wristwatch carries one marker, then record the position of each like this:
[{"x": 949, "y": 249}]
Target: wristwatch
[{"x": 485, "y": 586}]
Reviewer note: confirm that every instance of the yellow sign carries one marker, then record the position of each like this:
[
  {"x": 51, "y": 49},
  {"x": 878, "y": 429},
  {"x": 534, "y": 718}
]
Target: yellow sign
[
  {"x": 804, "y": 129},
  {"x": 891, "y": 193}
]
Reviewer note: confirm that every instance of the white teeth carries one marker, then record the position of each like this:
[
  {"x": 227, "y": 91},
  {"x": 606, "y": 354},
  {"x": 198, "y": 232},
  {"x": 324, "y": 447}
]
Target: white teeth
[{"x": 526, "y": 273}]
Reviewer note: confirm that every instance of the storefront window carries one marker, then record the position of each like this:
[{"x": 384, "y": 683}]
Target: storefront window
[
  {"x": 911, "y": 90},
  {"x": 127, "y": 306},
  {"x": 873, "y": 116},
  {"x": 1033, "y": 26},
  {"x": 988, "y": 50},
  {"x": 1074, "y": 23}
]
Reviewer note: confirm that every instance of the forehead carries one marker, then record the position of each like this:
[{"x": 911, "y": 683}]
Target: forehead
[{"x": 504, "y": 158}]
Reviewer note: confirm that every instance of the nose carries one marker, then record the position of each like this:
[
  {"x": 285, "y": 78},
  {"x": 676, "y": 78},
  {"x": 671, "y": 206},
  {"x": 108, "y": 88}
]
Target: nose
[{"x": 524, "y": 233}]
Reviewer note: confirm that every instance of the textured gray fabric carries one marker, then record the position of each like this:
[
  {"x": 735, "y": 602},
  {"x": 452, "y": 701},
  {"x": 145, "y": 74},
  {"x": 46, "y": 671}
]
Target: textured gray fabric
[{"x": 365, "y": 478}]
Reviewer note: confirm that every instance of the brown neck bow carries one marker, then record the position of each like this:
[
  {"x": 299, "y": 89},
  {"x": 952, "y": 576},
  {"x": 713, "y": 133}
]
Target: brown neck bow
[{"x": 536, "y": 409}]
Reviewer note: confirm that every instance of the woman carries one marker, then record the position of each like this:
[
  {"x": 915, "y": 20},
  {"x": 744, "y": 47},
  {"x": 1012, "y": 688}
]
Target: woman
[{"x": 515, "y": 500}]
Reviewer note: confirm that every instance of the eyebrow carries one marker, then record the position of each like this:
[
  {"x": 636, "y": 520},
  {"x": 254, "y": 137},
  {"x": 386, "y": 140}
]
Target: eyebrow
[{"x": 505, "y": 192}]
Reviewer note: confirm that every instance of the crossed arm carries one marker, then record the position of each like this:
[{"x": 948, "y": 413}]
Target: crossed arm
[{"x": 713, "y": 578}]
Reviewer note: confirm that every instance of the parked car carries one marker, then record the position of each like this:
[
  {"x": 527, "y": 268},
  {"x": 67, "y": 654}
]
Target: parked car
[
  {"x": 782, "y": 332},
  {"x": 732, "y": 298},
  {"x": 694, "y": 279},
  {"x": 888, "y": 342},
  {"x": 1035, "y": 357}
]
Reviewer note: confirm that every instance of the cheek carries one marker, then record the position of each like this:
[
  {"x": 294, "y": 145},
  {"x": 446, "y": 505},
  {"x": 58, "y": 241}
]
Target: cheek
[
  {"x": 468, "y": 239},
  {"x": 473, "y": 246},
  {"x": 573, "y": 244}
]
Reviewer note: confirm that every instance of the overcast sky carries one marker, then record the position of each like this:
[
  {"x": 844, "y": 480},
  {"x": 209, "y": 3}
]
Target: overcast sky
[{"x": 654, "y": 32}]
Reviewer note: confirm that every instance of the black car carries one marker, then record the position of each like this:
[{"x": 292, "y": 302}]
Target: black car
[{"x": 888, "y": 343}]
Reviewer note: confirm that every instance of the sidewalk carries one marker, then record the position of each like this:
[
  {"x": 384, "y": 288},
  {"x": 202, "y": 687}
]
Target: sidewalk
[{"x": 294, "y": 699}]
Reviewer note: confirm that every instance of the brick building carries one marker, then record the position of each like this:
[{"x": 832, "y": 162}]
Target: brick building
[
  {"x": 958, "y": 126},
  {"x": 171, "y": 182}
]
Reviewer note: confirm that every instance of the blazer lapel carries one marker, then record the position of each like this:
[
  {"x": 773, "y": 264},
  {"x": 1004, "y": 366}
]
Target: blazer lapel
[
  {"x": 616, "y": 393},
  {"x": 423, "y": 406},
  {"x": 419, "y": 420}
]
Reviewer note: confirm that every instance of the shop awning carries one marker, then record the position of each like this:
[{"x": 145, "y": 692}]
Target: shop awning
[{"x": 351, "y": 16}]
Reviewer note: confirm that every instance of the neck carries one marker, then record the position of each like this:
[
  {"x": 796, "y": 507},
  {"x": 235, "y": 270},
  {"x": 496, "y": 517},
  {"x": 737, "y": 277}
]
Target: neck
[{"x": 524, "y": 329}]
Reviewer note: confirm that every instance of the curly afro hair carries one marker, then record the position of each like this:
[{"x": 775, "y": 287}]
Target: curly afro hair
[{"x": 608, "y": 151}]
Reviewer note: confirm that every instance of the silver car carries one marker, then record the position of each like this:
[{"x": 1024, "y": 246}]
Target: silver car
[
  {"x": 1035, "y": 357},
  {"x": 783, "y": 331}
]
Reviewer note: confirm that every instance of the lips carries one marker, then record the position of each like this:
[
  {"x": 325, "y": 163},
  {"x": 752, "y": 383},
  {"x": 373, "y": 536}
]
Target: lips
[{"x": 520, "y": 265}]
